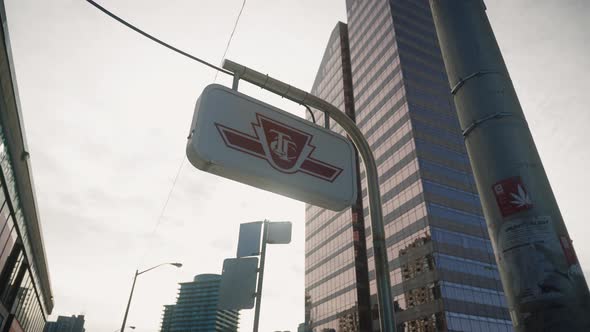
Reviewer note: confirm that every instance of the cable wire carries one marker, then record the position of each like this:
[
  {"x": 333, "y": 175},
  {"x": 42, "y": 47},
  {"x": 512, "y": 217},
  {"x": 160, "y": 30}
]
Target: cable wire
[
  {"x": 218, "y": 69},
  {"x": 147, "y": 35},
  {"x": 163, "y": 210},
  {"x": 231, "y": 36}
]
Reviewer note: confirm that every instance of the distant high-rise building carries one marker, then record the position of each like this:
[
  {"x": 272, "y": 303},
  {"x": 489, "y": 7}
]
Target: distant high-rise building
[
  {"x": 167, "y": 317},
  {"x": 196, "y": 308},
  {"x": 384, "y": 69},
  {"x": 301, "y": 328},
  {"x": 25, "y": 290},
  {"x": 66, "y": 324}
]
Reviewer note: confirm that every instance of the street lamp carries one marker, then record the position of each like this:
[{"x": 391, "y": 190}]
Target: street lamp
[{"x": 137, "y": 272}]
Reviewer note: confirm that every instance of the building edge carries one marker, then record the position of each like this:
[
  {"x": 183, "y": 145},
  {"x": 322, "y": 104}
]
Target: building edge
[{"x": 20, "y": 157}]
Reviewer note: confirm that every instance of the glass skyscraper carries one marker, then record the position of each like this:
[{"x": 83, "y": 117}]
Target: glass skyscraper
[
  {"x": 385, "y": 70},
  {"x": 196, "y": 308}
]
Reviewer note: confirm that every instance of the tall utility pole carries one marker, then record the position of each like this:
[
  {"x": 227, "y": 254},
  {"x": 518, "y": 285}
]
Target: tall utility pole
[{"x": 541, "y": 275}]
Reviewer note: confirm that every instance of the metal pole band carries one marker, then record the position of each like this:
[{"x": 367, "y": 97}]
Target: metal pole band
[
  {"x": 476, "y": 123},
  {"x": 462, "y": 81}
]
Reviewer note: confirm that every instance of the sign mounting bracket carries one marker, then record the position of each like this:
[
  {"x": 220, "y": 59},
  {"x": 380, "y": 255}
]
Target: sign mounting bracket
[{"x": 236, "y": 81}]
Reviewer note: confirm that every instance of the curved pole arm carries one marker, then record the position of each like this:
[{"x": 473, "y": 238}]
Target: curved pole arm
[{"x": 378, "y": 230}]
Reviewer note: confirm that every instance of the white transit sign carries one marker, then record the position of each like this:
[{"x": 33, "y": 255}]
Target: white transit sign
[{"x": 246, "y": 140}]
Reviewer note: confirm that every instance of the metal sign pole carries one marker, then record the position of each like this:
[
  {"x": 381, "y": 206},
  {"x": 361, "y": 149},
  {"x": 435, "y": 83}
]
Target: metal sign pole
[
  {"x": 260, "y": 275},
  {"x": 541, "y": 275},
  {"x": 375, "y": 209}
]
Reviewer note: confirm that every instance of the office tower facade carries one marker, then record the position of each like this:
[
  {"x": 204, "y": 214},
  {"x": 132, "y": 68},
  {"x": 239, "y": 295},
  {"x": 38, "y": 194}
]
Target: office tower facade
[
  {"x": 196, "y": 308},
  {"x": 442, "y": 267},
  {"x": 25, "y": 292},
  {"x": 336, "y": 275},
  {"x": 66, "y": 324}
]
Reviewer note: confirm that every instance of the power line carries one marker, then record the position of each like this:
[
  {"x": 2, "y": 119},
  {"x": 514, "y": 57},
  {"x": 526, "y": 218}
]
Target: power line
[
  {"x": 163, "y": 210},
  {"x": 231, "y": 36},
  {"x": 147, "y": 35},
  {"x": 218, "y": 69},
  {"x": 161, "y": 217}
]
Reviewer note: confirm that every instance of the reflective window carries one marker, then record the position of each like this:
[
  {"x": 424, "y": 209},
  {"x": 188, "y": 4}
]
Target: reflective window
[
  {"x": 463, "y": 322},
  {"x": 450, "y": 192},
  {"x": 441, "y": 152},
  {"x": 441, "y": 135},
  {"x": 468, "y": 266},
  {"x": 447, "y": 172},
  {"x": 462, "y": 240},
  {"x": 472, "y": 294},
  {"x": 455, "y": 215}
]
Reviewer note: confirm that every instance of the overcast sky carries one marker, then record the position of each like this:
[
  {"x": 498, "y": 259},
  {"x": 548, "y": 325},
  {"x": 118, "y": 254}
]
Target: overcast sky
[{"x": 107, "y": 113}]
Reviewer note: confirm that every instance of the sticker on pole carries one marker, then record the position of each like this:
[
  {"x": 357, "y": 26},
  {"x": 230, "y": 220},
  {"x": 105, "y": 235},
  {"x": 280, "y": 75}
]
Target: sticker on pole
[
  {"x": 512, "y": 196},
  {"x": 246, "y": 140},
  {"x": 531, "y": 250}
]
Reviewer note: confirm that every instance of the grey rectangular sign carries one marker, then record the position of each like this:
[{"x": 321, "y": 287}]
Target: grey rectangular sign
[
  {"x": 238, "y": 283},
  {"x": 279, "y": 232},
  {"x": 249, "y": 240}
]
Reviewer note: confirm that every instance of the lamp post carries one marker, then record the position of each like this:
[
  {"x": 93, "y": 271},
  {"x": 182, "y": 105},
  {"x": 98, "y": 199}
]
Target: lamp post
[{"x": 137, "y": 272}]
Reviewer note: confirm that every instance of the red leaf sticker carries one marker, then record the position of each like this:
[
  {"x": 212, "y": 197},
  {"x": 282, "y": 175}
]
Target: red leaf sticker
[{"x": 511, "y": 196}]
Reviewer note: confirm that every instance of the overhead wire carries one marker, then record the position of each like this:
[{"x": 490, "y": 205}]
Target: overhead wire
[
  {"x": 218, "y": 69},
  {"x": 163, "y": 210},
  {"x": 159, "y": 41},
  {"x": 231, "y": 36}
]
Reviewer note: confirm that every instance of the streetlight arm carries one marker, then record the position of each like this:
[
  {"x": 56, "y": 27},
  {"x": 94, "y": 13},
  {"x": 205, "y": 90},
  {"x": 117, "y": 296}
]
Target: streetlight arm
[{"x": 151, "y": 268}]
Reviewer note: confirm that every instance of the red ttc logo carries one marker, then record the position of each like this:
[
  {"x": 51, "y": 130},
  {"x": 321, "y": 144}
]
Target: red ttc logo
[{"x": 286, "y": 149}]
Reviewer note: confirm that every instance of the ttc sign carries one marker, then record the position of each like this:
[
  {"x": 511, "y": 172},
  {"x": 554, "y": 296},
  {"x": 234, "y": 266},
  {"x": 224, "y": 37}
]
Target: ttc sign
[{"x": 243, "y": 139}]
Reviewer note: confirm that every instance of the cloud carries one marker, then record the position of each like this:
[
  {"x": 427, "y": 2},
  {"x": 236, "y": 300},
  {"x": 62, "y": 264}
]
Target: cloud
[
  {"x": 297, "y": 269},
  {"x": 223, "y": 244}
]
